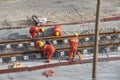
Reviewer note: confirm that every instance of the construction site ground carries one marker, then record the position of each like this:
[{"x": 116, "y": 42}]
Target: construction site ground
[
  {"x": 59, "y": 11},
  {"x": 108, "y": 70}
]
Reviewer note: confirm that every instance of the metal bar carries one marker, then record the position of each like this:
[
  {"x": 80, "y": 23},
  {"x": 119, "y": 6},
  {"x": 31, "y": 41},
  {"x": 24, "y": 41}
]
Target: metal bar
[
  {"x": 55, "y": 65},
  {"x": 57, "y": 49},
  {"x": 95, "y": 57},
  {"x": 55, "y": 38}
]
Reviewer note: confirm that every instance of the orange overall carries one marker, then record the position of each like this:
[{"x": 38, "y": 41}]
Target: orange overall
[
  {"x": 57, "y": 29},
  {"x": 34, "y": 31},
  {"x": 49, "y": 51},
  {"x": 73, "y": 47},
  {"x": 37, "y": 45}
]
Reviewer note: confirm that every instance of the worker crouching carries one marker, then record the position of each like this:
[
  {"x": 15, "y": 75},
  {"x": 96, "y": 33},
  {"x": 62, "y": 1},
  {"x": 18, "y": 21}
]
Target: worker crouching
[
  {"x": 35, "y": 30},
  {"x": 57, "y": 31},
  {"x": 48, "y": 49},
  {"x": 73, "y": 47}
]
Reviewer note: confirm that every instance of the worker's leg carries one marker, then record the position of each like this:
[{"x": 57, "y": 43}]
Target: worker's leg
[
  {"x": 70, "y": 54},
  {"x": 74, "y": 54},
  {"x": 49, "y": 55},
  {"x": 34, "y": 35},
  {"x": 37, "y": 35}
]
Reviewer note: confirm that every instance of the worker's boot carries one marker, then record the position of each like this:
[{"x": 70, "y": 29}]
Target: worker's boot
[
  {"x": 73, "y": 59},
  {"x": 48, "y": 60},
  {"x": 68, "y": 58}
]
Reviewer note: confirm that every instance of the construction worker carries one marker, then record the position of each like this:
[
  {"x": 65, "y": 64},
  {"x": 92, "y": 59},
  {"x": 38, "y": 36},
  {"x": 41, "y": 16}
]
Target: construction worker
[
  {"x": 35, "y": 30},
  {"x": 73, "y": 47},
  {"x": 57, "y": 31},
  {"x": 37, "y": 44},
  {"x": 48, "y": 50}
]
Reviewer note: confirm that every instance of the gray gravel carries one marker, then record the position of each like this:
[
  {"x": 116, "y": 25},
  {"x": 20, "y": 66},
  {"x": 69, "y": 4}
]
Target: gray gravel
[
  {"x": 56, "y": 10},
  {"x": 67, "y": 29}
]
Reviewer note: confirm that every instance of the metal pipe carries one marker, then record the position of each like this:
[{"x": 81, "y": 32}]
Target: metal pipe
[{"x": 95, "y": 57}]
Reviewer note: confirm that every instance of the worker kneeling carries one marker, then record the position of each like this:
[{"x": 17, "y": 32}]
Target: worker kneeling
[
  {"x": 48, "y": 49},
  {"x": 57, "y": 31},
  {"x": 35, "y": 30},
  {"x": 73, "y": 47}
]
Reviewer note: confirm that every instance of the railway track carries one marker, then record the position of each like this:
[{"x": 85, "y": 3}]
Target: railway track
[
  {"x": 107, "y": 40},
  {"x": 116, "y": 18},
  {"x": 117, "y": 33},
  {"x": 57, "y": 50},
  {"x": 11, "y": 70},
  {"x": 63, "y": 46}
]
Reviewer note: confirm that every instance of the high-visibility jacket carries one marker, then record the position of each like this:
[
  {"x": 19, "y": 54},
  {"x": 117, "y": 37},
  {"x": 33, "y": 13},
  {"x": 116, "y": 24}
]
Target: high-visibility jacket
[
  {"x": 49, "y": 51},
  {"x": 74, "y": 43},
  {"x": 57, "y": 29},
  {"x": 73, "y": 47},
  {"x": 34, "y": 31},
  {"x": 36, "y": 45}
]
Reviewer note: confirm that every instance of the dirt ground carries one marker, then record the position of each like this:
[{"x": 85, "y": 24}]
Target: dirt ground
[{"x": 57, "y": 11}]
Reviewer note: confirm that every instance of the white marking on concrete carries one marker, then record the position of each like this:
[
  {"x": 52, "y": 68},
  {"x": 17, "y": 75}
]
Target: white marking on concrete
[
  {"x": 26, "y": 57},
  {"x": 54, "y": 42},
  {"x": 65, "y": 41},
  {"x": 1, "y": 60},
  {"x": 32, "y": 44},
  {"x": 38, "y": 56},
  {"x": 13, "y": 58},
  {"x": 20, "y": 45},
  {"x": 8, "y": 46}
]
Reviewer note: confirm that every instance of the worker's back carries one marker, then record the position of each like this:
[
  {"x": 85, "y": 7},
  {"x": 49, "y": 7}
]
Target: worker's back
[
  {"x": 74, "y": 43},
  {"x": 57, "y": 31},
  {"x": 34, "y": 29},
  {"x": 48, "y": 47}
]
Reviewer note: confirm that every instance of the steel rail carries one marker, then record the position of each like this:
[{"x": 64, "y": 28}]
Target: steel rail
[
  {"x": 51, "y": 65},
  {"x": 56, "y": 38},
  {"x": 116, "y": 18},
  {"x": 57, "y": 49}
]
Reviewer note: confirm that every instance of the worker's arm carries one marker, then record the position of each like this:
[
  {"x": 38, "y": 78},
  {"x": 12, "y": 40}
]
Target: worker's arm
[
  {"x": 53, "y": 33},
  {"x": 44, "y": 51},
  {"x": 36, "y": 46},
  {"x": 60, "y": 33}
]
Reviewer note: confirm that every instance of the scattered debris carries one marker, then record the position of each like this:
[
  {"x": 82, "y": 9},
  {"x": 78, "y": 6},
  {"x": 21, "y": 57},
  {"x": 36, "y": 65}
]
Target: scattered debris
[
  {"x": 80, "y": 55},
  {"x": 38, "y": 20},
  {"x": 17, "y": 65},
  {"x": 49, "y": 72}
]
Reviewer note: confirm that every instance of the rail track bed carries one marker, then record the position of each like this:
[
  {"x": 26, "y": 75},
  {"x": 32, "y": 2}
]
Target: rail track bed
[
  {"x": 54, "y": 64},
  {"x": 23, "y": 50}
]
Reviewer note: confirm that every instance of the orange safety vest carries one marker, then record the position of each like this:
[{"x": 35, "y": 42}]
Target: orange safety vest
[
  {"x": 74, "y": 43},
  {"x": 74, "y": 39},
  {"x": 37, "y": 29},
  {"x": 57, "y": 29},
  {"x": 34, "y": 29},
  {"x": 48, "y": 49}
]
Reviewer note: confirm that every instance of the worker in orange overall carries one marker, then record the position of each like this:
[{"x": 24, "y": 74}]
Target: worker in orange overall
[
  {"x": 35, "y": 30},
  {"x": 57, "y": 31},
  {"x": 73, "y": 47},
  {"x": 48, "y": 49}
]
